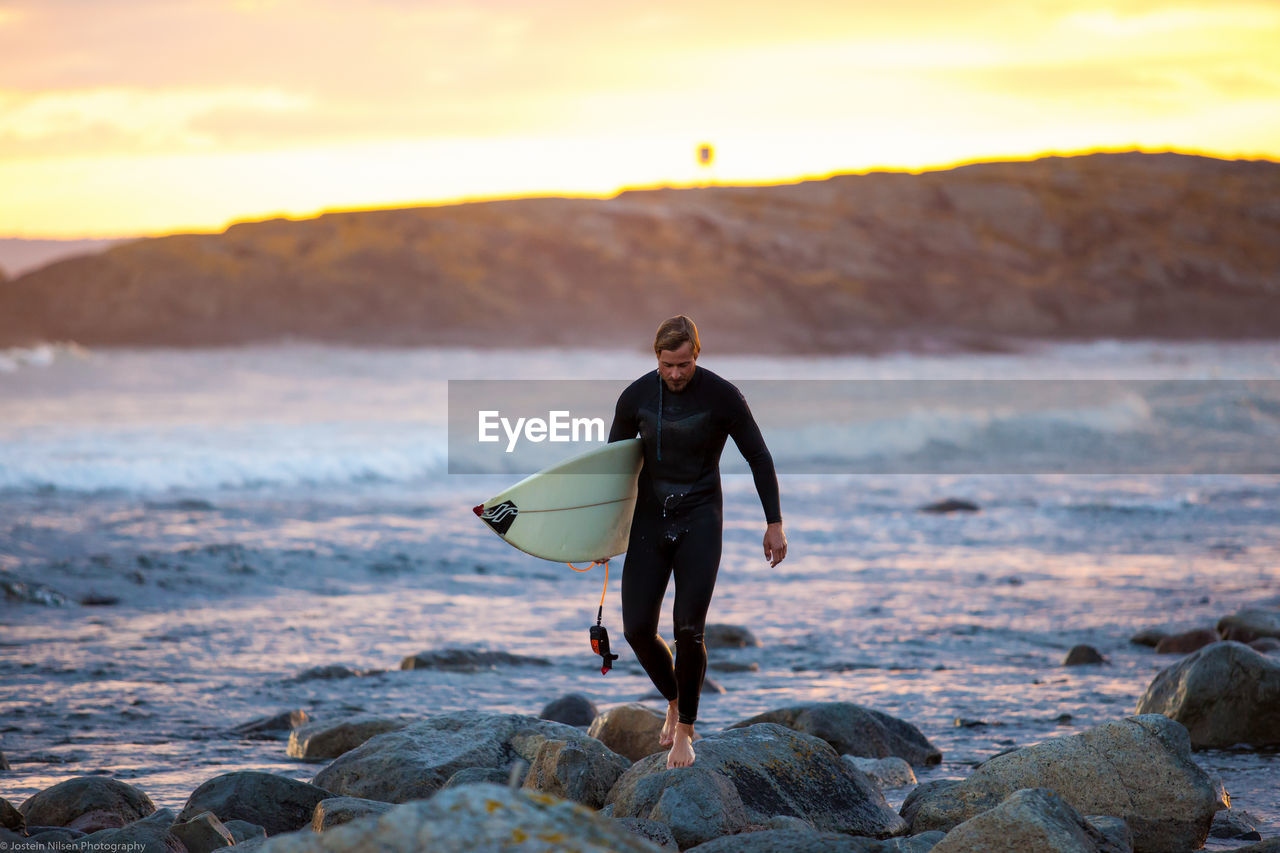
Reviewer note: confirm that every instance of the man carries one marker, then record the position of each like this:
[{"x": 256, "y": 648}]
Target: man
[{"x": 683, "y": 416}]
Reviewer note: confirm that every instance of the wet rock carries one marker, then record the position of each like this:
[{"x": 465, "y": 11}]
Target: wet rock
[
  {"x": 471, "y": 819},
  {"x": 336, "y": 811},
  {"x": 203, "y": 833},
  {"x": 1266, "y": 645},
  {"x": 1224, "y": 694},
  {"x": 655, "y": 832},
  {"x": 950, "y": 505},
  {"x": 94, "y": 599},
  {"x": 414, "y": 762},
  {"x": 709, "y": 687},
  {"x": 720, "y": 636},
  {"x": 1031, "y": 819},
  {"x": 273, "y": 727},
  {"x": 10, "y": 817},
  {"x": 242, "y": 830},
  {"x": 1138, "y": 769},
  {"x": 32, "y": 593},
  {"x": 854, "y": 730},
  {"x": 275, "y": 803},
  {"x": 468, "y": 660},
  {"x": 151, "y": 834},
  {"x": 747, "y": 776},
  {"x": 1186, "y": 643},
  {"x": 1083, "y": 655},
  {"x": 1250, "y": 624},
  {"x": 1149, "y": 636},
  {"x": 582, "y": 769},
  {"x": 4, "y": 762},
  {"x": 327, "y": 739},
  {"x": 329, "y": 672},
  {"x": 66, "y": 801},
  {"x": 573, "y": 709},
  {"x": 1229, "y": 823},
  {"x": 891, "y": 772},
  {"x": 630, "y": 730},
  {"x": 733, "y": 666}
]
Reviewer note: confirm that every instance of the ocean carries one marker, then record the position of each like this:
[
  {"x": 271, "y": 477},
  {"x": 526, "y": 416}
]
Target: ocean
[{"x": 182, "y": 533}]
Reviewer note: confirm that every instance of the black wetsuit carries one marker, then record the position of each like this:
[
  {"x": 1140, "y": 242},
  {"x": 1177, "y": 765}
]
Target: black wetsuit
[{"x": 678, "y": 518}]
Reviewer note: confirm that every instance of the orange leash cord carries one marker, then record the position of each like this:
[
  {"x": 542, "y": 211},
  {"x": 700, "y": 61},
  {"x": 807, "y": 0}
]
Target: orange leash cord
[{"x": 595, "y": 563}]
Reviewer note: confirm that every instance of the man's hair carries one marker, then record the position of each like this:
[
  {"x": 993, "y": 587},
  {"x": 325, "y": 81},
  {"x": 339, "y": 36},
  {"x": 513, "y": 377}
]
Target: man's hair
[{"x": 673, "y": 334}]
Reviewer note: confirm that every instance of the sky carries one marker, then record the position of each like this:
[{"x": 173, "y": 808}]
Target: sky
[{"x": 132, "y": 117}]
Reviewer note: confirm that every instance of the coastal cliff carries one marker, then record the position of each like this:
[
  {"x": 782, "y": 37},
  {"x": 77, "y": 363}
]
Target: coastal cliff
[{"x": 1104, "y": 245}]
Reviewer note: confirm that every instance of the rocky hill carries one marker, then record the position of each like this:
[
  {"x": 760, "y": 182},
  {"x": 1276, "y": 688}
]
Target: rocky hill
[{"x": 1115, "y": 245}]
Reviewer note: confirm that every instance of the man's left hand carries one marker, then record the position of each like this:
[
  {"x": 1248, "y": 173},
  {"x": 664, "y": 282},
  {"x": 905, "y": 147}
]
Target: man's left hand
[{"x": 775, "y": 544}]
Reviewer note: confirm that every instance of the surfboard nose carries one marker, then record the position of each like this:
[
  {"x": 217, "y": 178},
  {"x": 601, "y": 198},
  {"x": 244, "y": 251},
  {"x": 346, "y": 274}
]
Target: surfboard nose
[{"x": 478, "y": 509}]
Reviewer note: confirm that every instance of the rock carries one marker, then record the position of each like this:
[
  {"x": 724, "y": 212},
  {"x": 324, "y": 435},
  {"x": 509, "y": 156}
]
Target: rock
[
  {"x": 573, "y": 709},
  {"x": 709, "y": 687},
  {"x": 329, "y": 672},
  {"x": 275, "y": 803},
  {"x": 32, "y": 593},
  {"x": 476, "y": 775},
  {"x": 271, "y": 728},
  {"x": 582, "y": 769},
  {"x": 1029, "y": 819},
  {"x": 10, "y": 817},
  {"x": 922, "y": 843},
  {"x": 1186, "y": 643},
  {"x": 1271, "y": 845},
  {"x": 1224, "y": 694},
  {"x": 203, "y": 833},
  {"x": 96, "y": 820},
  {"x": 1082, "y": 655},
  {"x": 336, "y": 811},
  {"x": 151, "y": 834},
  {"x": 792, "y": 840},
  {"x": 720, "y": 636},
  {"x": 733, "y": 666},
  {"x": 4, "y": 762},
  {"x": 1138, "y": 769},
  {"x": 630, "y": 730},
  {"x": 653, "y": 831},
  {"x": 242, "y": 830},
  {"x": 1265, "y": 645},
  {"x": 1250, "y": 624},
  {"x": 748, "y": 775},
  {"x": 1235, "y": 825},
  {"x": 1115, "y": 830},
  {"x": 325, "y": 740},
  {"x": 66, "y": 801},
  {"x": 950, "y": 505},
  {"x": 854, "y": 730},
  {"x": 1149, "y": 637},
  {"x": 891, "y": 772},
  {"x": 54, "y": 836},
  {"x": 414, "y": 762},
  {"x": 473, "y": 819},
  {"x": 468, "y": 660}
]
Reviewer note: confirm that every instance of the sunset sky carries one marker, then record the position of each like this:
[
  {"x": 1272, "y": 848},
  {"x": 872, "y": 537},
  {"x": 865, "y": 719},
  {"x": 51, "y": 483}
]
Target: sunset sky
[{"x": 126, "y": 117}]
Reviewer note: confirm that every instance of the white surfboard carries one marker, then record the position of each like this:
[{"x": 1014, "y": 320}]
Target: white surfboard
[{"x": 577, "y": 510}]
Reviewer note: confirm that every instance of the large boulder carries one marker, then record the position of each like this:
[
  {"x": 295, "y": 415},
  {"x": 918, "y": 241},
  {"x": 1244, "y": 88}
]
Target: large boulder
[
  {"x": 65, "y": 802},
  {"x": 469, "y": 819},
  {"x": 630, "y": 730},
  {"x": 1030, "y": 819},
  {"x": 204, "y": 833},
  {"x": 748, "y": 776},
  {"x": 336, "y": 811},
  {"x": 325, "y": 740},
  {"x": 151, "y": 834},
  {"x": 572, "y": 709},
  {"x": 275, "y": 803},
  {"x": 1139, "y": 769},
  {"x": 11, "y": 818},
  {"x": 416, "y": 761},
  {"x": 1224, "y": 694},
  {"x": 1250, "y": 624},
  {"x": 854, "y": 730}
]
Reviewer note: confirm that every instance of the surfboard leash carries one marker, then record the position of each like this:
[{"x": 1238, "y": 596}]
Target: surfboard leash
[{"x": 600, "y": 634}]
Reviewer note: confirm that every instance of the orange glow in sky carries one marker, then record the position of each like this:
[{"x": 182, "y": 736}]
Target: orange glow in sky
[{"x": 149, "y": 116}]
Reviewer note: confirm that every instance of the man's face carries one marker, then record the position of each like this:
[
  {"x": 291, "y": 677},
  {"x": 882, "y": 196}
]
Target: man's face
[{"x": 676, "y": 366}]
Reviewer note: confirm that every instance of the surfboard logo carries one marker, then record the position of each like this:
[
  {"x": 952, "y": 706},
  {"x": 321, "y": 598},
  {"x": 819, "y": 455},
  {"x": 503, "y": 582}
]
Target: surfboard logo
[{"x": 501, "y": 516}]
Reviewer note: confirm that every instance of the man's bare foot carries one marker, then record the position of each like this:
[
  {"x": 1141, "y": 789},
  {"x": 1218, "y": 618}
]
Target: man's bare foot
[
  {"x": 681, "y": 754},
  {"x": 668, "y": 735}
]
